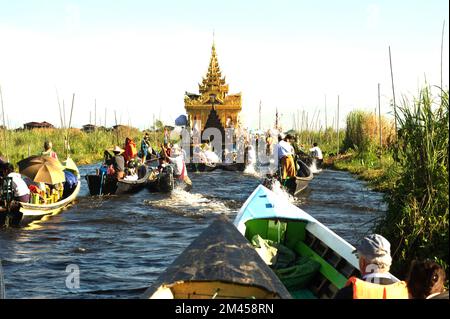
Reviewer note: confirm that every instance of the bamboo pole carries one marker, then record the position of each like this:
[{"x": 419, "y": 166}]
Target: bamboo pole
[
  {"x": 337, "y": 125},
  {"x": 393, "y": 93},
  {"x": 4, "y": 126},
  {"x": 59, "y": 107},
  {"x": 379, "y": 117},
  {"x": 64, "y": 115},
  {"x": 117, "y": 128},
  {"x": 442, "y": 49},
  {"x": 68, "y": 128},
  {"x": 326, "y": 120},
  {"x": 259, "y": 122}
]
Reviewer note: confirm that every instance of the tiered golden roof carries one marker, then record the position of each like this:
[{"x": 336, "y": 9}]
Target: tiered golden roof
[{"x": 213, "y": 90}]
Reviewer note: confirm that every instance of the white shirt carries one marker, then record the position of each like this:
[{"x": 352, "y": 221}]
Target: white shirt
[
  {"x": 284, "y": 149},
  {"x": 179, "y": 163},
  {"x": 19, "y": 186},
  {"x": 318, "y": 150}
]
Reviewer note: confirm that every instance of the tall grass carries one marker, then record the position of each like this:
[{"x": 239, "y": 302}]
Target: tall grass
[
  {"x": 362, "y": 131},
  {"x": 85, "y": 147},
  {"x": 417, "y": 223},
  {"x": 326, "y": 139}
]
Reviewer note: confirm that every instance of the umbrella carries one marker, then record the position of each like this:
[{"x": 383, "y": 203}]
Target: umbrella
[
  {"x": 70, "y": 165},
  {"x": 181, "y": 120},
  {"x": 42, "y": 169}
]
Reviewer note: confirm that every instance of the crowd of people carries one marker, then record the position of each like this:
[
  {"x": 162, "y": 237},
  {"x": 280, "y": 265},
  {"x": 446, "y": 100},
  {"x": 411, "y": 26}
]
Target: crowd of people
[{"x": 124, "y": 162}]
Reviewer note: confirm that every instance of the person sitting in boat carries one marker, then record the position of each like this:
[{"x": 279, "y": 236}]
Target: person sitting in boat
[
  {"x": 286, "y": 156},
  {"x": 130, "y": 150},
  {"x": 374, "y": 254},
  {"x": 20, "y": 188},
  {"x": 48, "y": 150},
  {"x": 316, "y": 153},
  {"x": 70, "y": 183},
  {"x": 426, "y": 280},
  {"x": 116, "y": 163}
]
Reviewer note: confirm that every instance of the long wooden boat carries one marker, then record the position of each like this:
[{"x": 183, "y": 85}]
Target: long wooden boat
[
  {"x": 200, "y": 167},
  {"x": 219, "y": 263},
  {"x": 32, "y": 212},
  {"x": 108, "y": 185},
  {"x": 271, "y": 217}
]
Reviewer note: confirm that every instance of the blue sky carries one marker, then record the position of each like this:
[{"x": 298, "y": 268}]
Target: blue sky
[{"x": 138, "y": 57}]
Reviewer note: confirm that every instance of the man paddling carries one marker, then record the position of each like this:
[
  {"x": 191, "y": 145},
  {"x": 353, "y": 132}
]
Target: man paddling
[
  {"x": 116, "y": 163},
  {"x": 286, "y": 156}
]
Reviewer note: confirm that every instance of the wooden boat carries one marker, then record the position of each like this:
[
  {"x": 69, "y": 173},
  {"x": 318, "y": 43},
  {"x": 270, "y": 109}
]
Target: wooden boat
[
  {"x": 102, "y": 184},
  {"x": 200, "y": 167},
  {"x": 219, "y": 263},
  {"x": 272, "y": 217},
  {"x": 164, "y": 181},
  {"x": 23, "y": 213},
  {"x": 36, "y": 211},
  {"x": 294, "y": 185},
  {"x": 234, "y": 167}
]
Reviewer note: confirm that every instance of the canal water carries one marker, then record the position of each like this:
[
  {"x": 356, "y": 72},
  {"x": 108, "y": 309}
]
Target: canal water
[{"x": 121, "y": 244}]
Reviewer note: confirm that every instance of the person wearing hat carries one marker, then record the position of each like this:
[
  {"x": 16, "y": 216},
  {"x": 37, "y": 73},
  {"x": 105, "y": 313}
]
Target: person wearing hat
[
  {"x": 374, "y": 254},
  {"x": 286, "y": 156},
  {"x": 116, "y": 162}
]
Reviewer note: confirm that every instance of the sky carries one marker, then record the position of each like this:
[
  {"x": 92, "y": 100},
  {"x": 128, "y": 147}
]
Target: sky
[{"x": 137, "y": 58}]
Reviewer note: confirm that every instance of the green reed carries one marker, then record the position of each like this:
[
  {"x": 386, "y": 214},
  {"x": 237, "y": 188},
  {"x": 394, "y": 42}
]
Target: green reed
[{"x": 416, "y": 223}]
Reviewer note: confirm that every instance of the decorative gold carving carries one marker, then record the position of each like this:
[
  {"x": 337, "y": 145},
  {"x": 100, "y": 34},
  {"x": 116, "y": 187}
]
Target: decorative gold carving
[{"x": 213, "y": 88}]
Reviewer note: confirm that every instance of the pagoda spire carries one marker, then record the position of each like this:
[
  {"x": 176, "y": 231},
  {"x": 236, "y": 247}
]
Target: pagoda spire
[{"x": 214, "y": 82}]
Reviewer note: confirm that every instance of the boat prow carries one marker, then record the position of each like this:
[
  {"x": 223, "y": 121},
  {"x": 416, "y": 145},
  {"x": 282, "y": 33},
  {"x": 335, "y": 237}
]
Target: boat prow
[
  {"x": 273, "y": 218},
  {"x": 220, "y": 263},
  {"x": 108, "y": 185}
]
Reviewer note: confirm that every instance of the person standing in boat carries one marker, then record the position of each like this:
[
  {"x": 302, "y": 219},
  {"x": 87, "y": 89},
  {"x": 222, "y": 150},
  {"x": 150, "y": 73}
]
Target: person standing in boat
[
  {"x": 48, "y": 150},
  {"x": 116, "y": 163},
  {"x": 316, "y": 153},
  {"x": 130, "y": 150},
  {"x": 145, "y": 145},
  {"x": 374, "y": 254},
  {"x": 20, "y": 188},
  {"x": 286, "y": 156}
]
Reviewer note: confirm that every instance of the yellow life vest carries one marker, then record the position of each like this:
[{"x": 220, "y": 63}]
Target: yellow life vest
[{"x": 367, "y": 290}]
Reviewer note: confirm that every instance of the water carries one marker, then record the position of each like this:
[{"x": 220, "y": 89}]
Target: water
[{"x": 121, "y": 244}]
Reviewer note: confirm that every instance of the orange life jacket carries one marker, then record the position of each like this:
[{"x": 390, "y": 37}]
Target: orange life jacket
[{"x": 367, "y": 290}]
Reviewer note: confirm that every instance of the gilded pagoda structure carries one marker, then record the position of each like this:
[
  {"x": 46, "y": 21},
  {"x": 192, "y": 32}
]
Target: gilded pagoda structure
[{"x": 213, "y": 106}]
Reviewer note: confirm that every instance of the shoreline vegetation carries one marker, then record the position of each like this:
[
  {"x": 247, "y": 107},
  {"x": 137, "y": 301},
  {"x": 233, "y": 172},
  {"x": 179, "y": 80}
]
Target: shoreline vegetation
[
  {"x": 411, "y": 169},
  {"x": 85, "y": 147}
]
